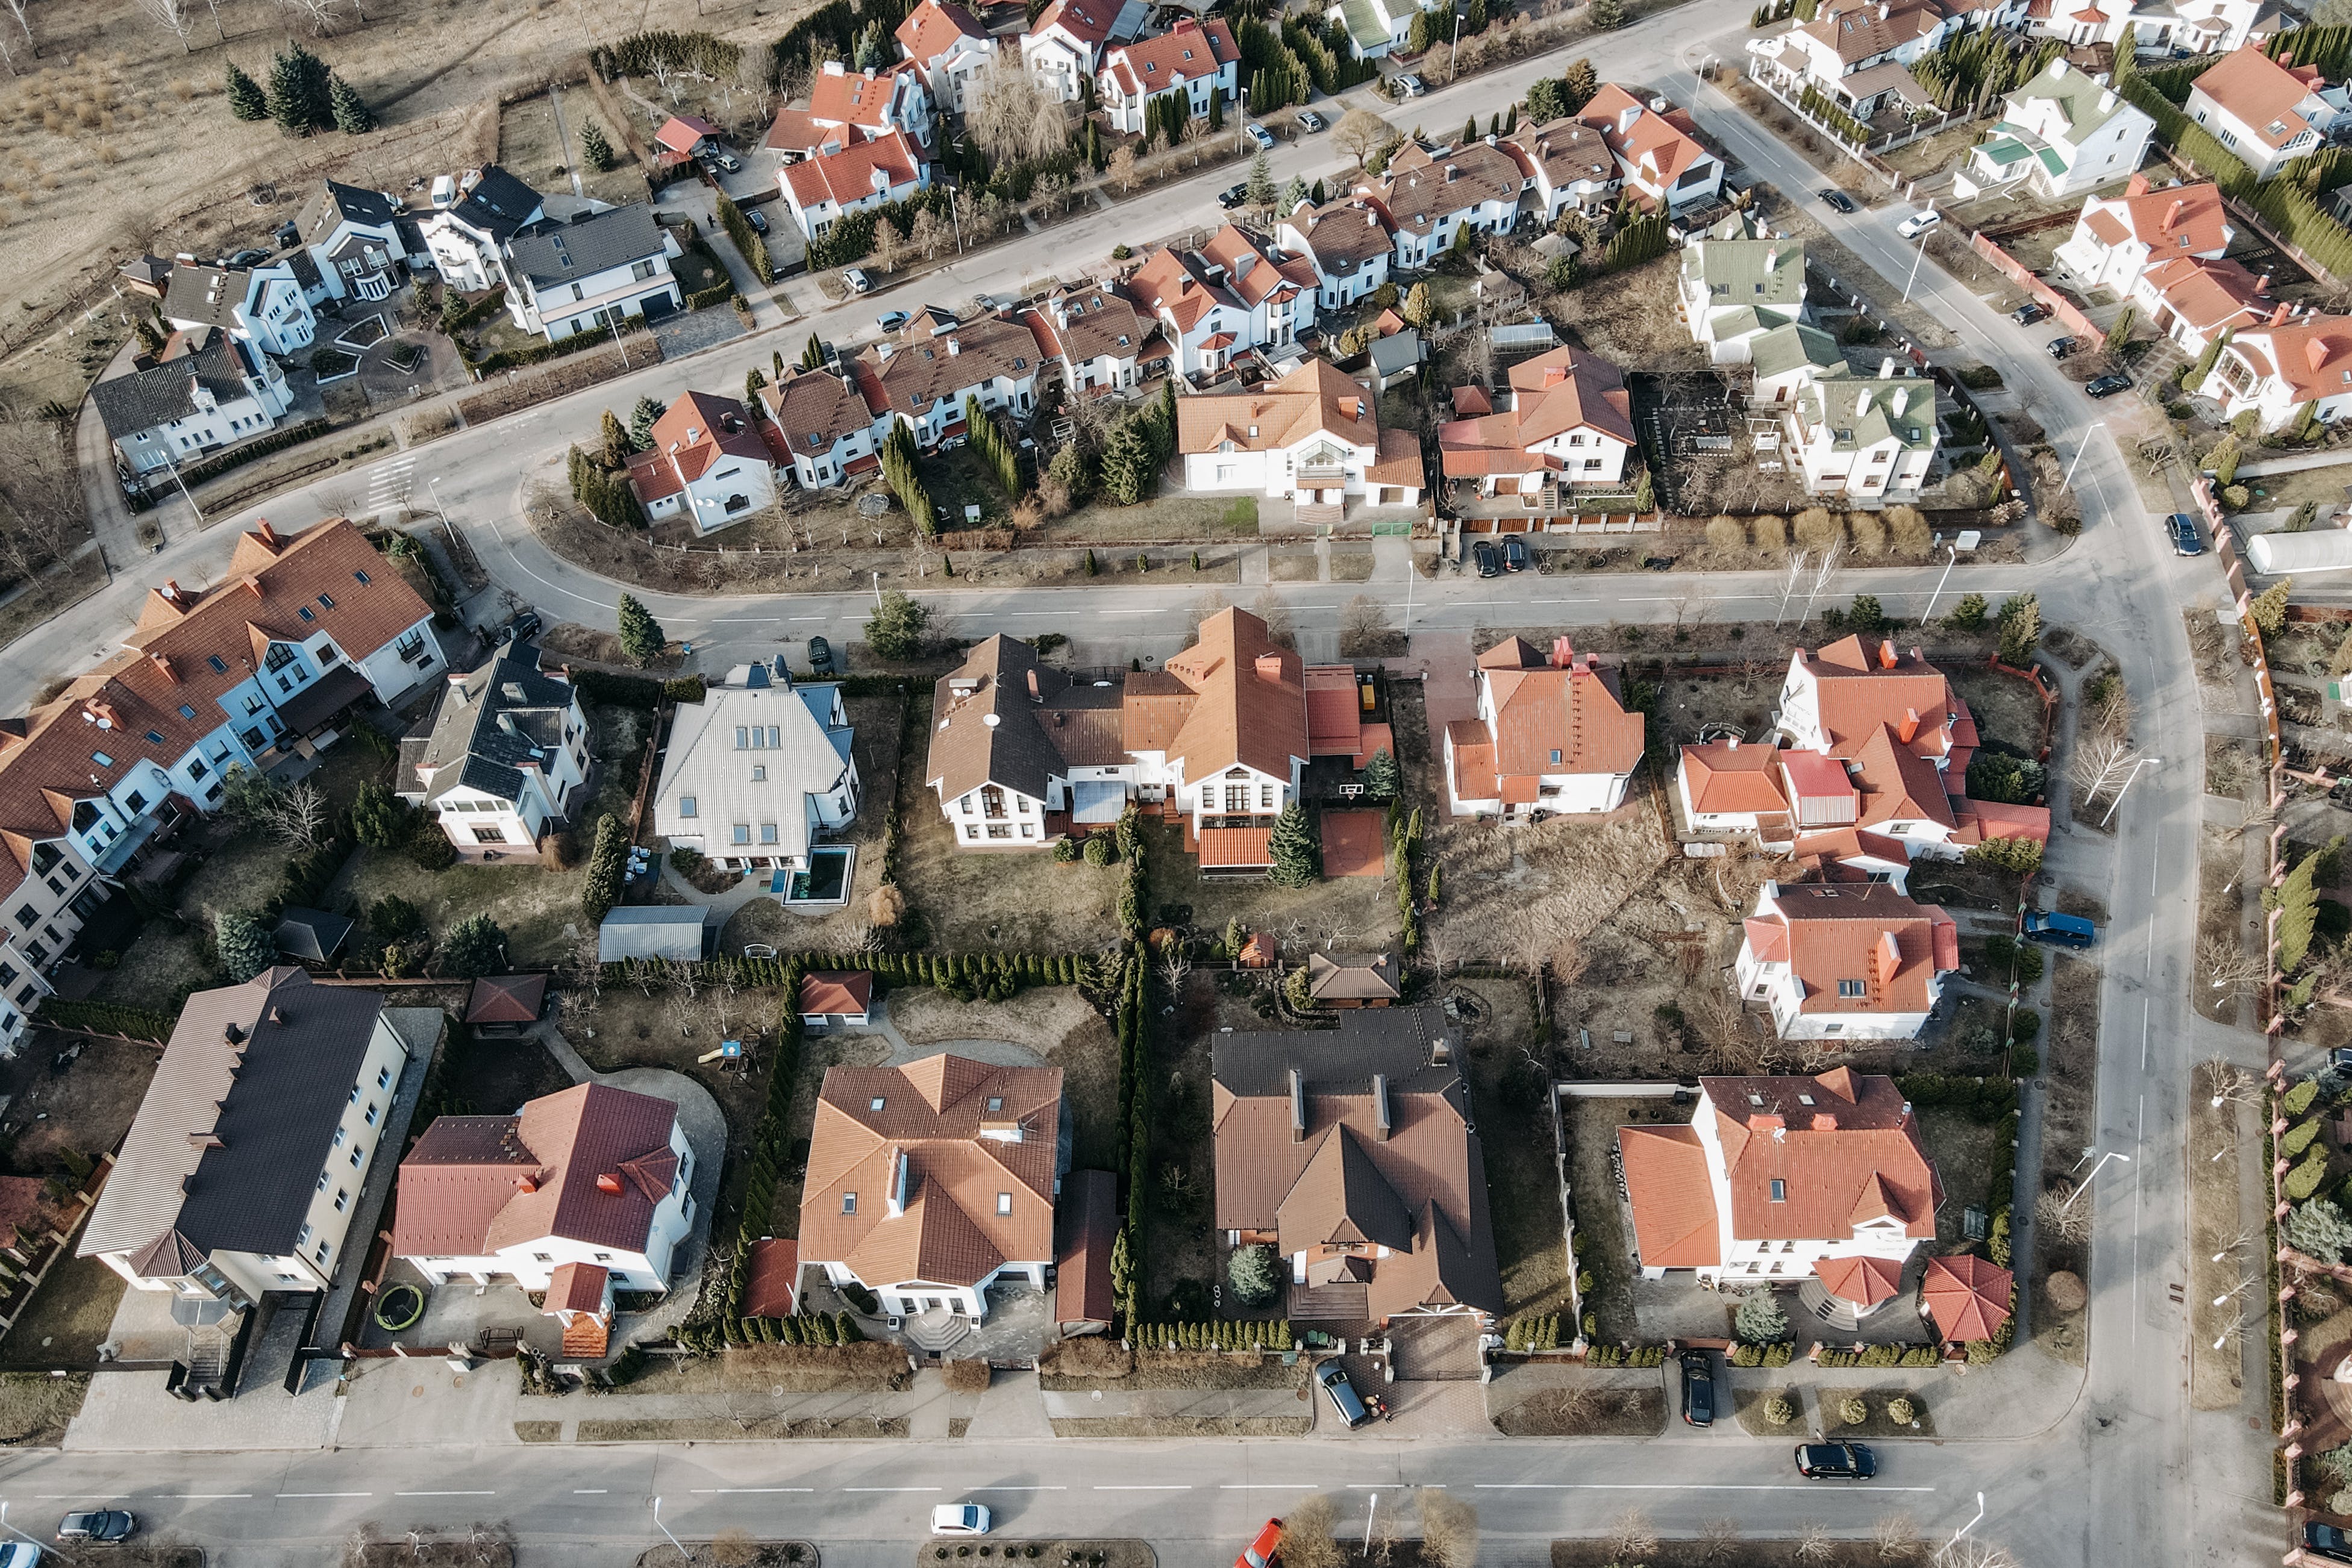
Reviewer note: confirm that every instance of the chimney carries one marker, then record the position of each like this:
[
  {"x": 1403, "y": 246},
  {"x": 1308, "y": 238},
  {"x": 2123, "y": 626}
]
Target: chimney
[
  {"x": 1453, "y": 173},
  {"x": 251, "y": 584},
  {"x": 1381, "y": 1126},
  {"x": 1771, "y": 258},
  {"x": 163, "y": 662},
  {"x": 1298, "y": 1107},
  {"x": 1886, "y": 368},
  {"x": 1731, "y": 742},
  {"x": 1035, "y": 695},
  {"x": 894, "y": 1204},
  {"x": 2172, "y": 213},
  {"x": 2316, "y": 350},
  {"x": 206, "y": 1140},
  {"x": 1554, "y": 374},
  {"x": 266, "y": 534},
  {"x": 527, "y": 1182},
  {"x": 457, "y": 688},
  {"x": 2136, "y": 186},
  {"x": 610, "y": 1182},
  {"x": 1887, "y": 657},
  {"x": 1766, "y": 1122},
  {"x": 1825, "y": 1121},
  {"x": 1269, "y": 666},
  {"x": 1563, "y": 653},
  {"x": 1908, "y": 730},
  {"x": 2263, "y": 283},
  {"x": 234, "y": 1037},
  {"x": 2279, "y": 316}
]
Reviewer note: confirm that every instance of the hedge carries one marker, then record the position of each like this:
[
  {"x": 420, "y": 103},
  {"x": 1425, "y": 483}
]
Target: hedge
[
  {"x": 1881, "y": 1356},
  {"x": 1641, "y": 1355},
  {"x": 1269, "y": 1333},
  {"x": 1985, "y": 1099},
  {"x": 619, "y": 691},
  {"x": 259, "y": 446},
  {"x": 607, "y": 865},
  {"x": 538, "y": 353},
  {"x": 1530, "y": 1333},
  {"x": 1780, "y": 1352},
  {"x": 106, "y": 1018}
]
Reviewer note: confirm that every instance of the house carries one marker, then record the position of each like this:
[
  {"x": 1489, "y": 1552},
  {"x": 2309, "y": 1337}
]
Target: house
[
  {"x": 1737, "y": 282},
  {"x": 1065, "y": 44},
  {"x": 708, "y": 462},
  {"x": 260, "y": 1129},
  {"x": 1568, "y": 165},
  {"x": 1105, "y": 340},
  {"x": 501, "y": 1002},
  {"x": 1086, "y": 1222},
  {"x": 2193, "y": 302},
  {"x": 1834, "y": 701},
  {"x": 1857, "y": 437},
  {"x": 656, "y": 931},
  {"x": 1008, "y": 737},
  {"x": 2118, "y": 239},
  {"x": 845, "y": 996},
  {"x": 312, "y": 936},
  {"x": 794, "y": 135},
  {"x": 1396, "y": 358},
  {"x": 473, "y": 217},
  {"x": 874, "y": 103},
  {"x": 2287, "y": 369},
  {"x": 261, "y": 307},
  {"x": 929, "y": 1183},
  {"x": 924, "y": 376},
  {"x": 504, "y": 759},
  {"x": 817, "y": 425},
  {"x": 1724, "y": 786},
  {"x": 1376, "y": 28},
  {"x": 582, "y": 1193},
  {"x": 1430, "y": 200},
  {"x": 1352, "y": 982},
  {"x": 1567, "y": 420},
  {"x": 353, "y": 238},
  {"x": 1659, "y": 155},
  {"x": 1231, "y": 295},
  {"x": 1779, "y": 1180},
  {"x": 2063, "y": 134},
  {"x": 682, "y": 136},
  {"x": 1787, "y": 359},
  {"x": 1348, "y": 245},
  {"x": 1352, "y": 1153},
  {"x": 588, "y": 274},
  {"x": 1838, "y": 961},
  {"x": 1313, "y": 436},
  {"x": 204, "y": 391},
  {"x": 2267, "y": 113},
  {"x": 1550, "y": 735},
  {"x": 940, "y": 37},
  {"x": 1196, "y": 62},
  {"x": 146, "y": 276},
  {"x": 756, "y": 770},
  {"x": 1859, "y": 55}
]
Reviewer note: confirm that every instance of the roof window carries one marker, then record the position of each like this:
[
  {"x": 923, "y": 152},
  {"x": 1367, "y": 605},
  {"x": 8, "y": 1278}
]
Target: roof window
[
  {"x": 1779, "y": 1190},
  {"x": 876, "y": 1103}
]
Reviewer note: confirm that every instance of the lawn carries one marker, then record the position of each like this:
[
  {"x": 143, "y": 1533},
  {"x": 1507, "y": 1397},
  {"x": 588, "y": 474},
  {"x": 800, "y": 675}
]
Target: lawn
[
  {"x": 1961, "y": 1148},
  {"x": 1515, "y": 1133},
  {"x": 35, "y": 1407},
  {"x": 67, "y": 1320},
  {"x": 1602, "y": 1246},
  {"x": 1056, "y": 1021},
  {"x": 495, "y": 1076},
  {"x": 1174, "y": 517}
]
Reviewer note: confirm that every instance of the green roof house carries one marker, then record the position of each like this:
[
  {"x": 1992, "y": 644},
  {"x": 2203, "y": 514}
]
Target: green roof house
[
  {"x": 1870, "y": 439},
  {"x": 1375, "y": 27},
  {"x": 2063, "y": 134},
  {"x": 1739, "y": 281}
]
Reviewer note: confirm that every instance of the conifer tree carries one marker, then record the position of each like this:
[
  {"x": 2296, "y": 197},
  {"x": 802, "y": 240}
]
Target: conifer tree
[
  {"x": 641, "y": 634},
  {"x": 246, "y": 99},
  {"x": 352, "y": 115}
]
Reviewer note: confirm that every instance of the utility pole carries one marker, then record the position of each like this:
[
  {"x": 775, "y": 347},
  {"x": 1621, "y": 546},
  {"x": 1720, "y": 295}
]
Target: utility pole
[{"x": 1950, "y": 559}]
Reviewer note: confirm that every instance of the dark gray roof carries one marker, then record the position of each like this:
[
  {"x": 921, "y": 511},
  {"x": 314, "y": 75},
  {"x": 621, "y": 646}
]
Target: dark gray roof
[
  {"x": 208, "y": 296},
  {"x": 554, "y": 253},
  {"x": 311, "y": 934},
  {"x": 1396, "y": 1043},
  {"x": 338, "y": 204},
  {"x": 486, "y": 724},
  {"x": 145, "y": 398},
  {"x": 498, "y": 204},
  {"x": 1397, "y": 351},
  {"x": 305, "y": 266}
]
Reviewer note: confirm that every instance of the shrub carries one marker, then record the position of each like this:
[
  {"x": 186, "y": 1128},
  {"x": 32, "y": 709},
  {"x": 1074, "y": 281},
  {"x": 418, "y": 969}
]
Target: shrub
[
  {"x": 1066, "y": 851},
  {"x": 2306, "y": 1176},
  {"x": 1253, "y": 1273},
  {"x": 1098, "y": 851},
  {"x": 2297, "y": 1100},
  {"x": 608, "y": 860},
  {"x": 1901, "y": 1411},
  {"x": 1779, "y": 1410},
  {"x": 1853, "y": 1410},
  {"x": 1760, "y": 1320},
  {"x": 2298, "y": 1138}
]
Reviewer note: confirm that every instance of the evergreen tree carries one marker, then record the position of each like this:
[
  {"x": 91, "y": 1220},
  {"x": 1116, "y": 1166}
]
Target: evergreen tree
[
  {"x": 246, "y": 99},
  {"x": 641, "y": 422},
  {"x": 597, "y": 148},
  {"x": 814, "y": 355},
  {"x": 2299, "y": 905},
  {"x": 352, "y": 115},
  {"x": 1261, "y": 181},
  {"x": 1578, "y": 86},
  {"x": 1291, "y": 846},
  {"x": 1381, "y": 777},
  {"x": 381, "y": 820},
  {"x": 641, "y": 634},
  {"x": 2020, "y": 629},
  {"x": 1760, "y": 1320},
  {"x": 895, "y": 631},
  {"x": 243, "y": 945},
  {"x": 1417, "y": 306},
  {"x": 1511, "y": 120},
  {"x": 1608, "y": 16},
  {"x": 1469, "y": 130},
  {"x": 1292, "y": 194},
  {"x": 1126, "y": 463},
  {"x": 473, "y": 947},
  {"x": 1546, "y": 99},
  {"x": 617, "y": 446},
  {"x": 1476, "y": 21},
  {"x": 753, "y": 379},
  {"x": 1317, "y": 194},
  {"x": 299, "y": 97}
]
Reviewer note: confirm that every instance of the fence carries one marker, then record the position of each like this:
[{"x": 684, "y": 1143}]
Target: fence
[
  {"x": 1867, "y": 153},
  {"x": 2064, "y": 311}
]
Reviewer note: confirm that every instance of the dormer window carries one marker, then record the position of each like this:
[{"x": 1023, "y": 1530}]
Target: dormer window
[{"x": 1848, "y": 990}]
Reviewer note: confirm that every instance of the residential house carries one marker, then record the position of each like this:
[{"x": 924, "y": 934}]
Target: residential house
[
  {"x": 1065, "y": 44},
  {"x": 929, "y": 1183},
  {"x": 772, "y": 1284},
  {"x": 1197, "y": 62},
  {"x": 1787, "y": 359},
  {"x": 255, "y": 1138},
  {"x": 659, "y": 932},
  {"x": 1845, "y": 961},
  {"x": 2193, "y": 302},
  {"x": 589, "y": 274},
  {"x": 1430, "y": 200},
  {"x": 1858, "y": 55},
  {"x": 1353, "y": 982},
  {"x": 261, "y": 307},
  {"x": 1569, "y": 419},
  {"x": 1376, "y": 28},
  {"x": 473, "y": 217},
  {"x": 861, "y": 175},
  {"x": 1346, "y": 242},
  {"x": 1659, "y": 155},
  {"x": 1231, "y": 295},
  {"x": 1106, "y": 342},
  {"x": 924, "y": 377},
  {"x": 1009, "y": 737},
  {"x": 1395, "y": 357},
  {"x": 48, "y": 890},
  {"x": 708, "y": 462},
  {"x": 1570, "y": 165},
  {"x": 873, "y": 102},
  {"x": 2163, "y": 27},
  {"x": 2267, "y": 113},
  {"x": 952, "y": 49},
  {"x": 146, "y": 276},
  {"x": 2288, "y": 370},
  {"x": 836, "y": 996},
  {"x": 682, "y": 136},
  {"x": 206, "y": 391},
  {"x": 2063, "y": 134},
  {"x": 2118, "y": 239},
  {"x": 756, "y": 770},
  {"x": 1778, "y": 1180},
  {"x": 1738, "y": 281},
  {"x": 1860, "y": 436},
  {"x": 1550, "y": 735},
  {"x": 354, "y": 237},
  {"x": 1775, "y": 793},
  {"x": 793, "y": 135},
  {"x": 1353, "y": 1154},
  {"x": 1836, "y": 698},
  {"x": 504, "y": 759},
  {"x": 1313, "y": 436},
  {"x": 817, "y": 424}
]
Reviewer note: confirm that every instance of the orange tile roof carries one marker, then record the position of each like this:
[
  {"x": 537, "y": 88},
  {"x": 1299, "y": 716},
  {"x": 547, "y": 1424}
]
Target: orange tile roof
[
  {"x": 576, "y": 1287},
  {"x": 1859, "y": 690},
  {"x": 1551, "y": 720},
  {"x": 812, "y": 410},
  {"x": 2260, "y": 93},
  {"x": 1674, "y": 1221},
  {"x": 772, "y": 1282},
  {"x": 1851, "y": 1155},
  {"x": 1335, "y": 712},
  {"x": 1999, "y": 819},
  {"x": 684, "y": 133},
  {"x": 2179, "y": 220},
  {"x": 1234, "y": 847},
  {"x": 1862, "y": 1279},
  {"x": 1967, "y": 1295},
  {"x": 1722, "y": 775},
  {"x": 1185, "y": 54},
  {"x": 2207, "y": 294},
  {"x": 2312, "y": 356},
  {"x": 834, "y": 992},
  {"x": 856, "y": 97},
  {"x": 932, "y": 28},
  {"x": 1318, "y": 397},
  {"x": 795, "y": 130},
  {"x": 1664, "y": 144},
  {"x": 1871, "y": 934},
  {"x": 847, "y": 175},
  {"x": 1898, "y": 784},
  {"x": 1251, "y": 700}
]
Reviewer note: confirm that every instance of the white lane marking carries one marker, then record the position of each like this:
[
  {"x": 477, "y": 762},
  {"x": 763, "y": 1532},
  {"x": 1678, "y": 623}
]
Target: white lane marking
[
  {"x": 893, "y": 1488},
  {"x": 445, "y": 1494},
  {"x": 1661, "y": 1485},
  {"x": 2139, "y": 1122},
  {"x": 588, "y": 1491},
  {"x": 730, "y": 1491},
  {"x": 1145, "y": 1488},
  {"x": 1269, "y": 1486},
  {"x": 205, "y": 1496},
  {"x": 295, "y": 1494},
  {"x": 1020, "y": 1489}
]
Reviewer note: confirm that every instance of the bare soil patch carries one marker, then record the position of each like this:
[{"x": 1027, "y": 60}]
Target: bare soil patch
[
  {"x": 1591, "y": 1411},
  {"x": 36, "y": 1407},
  {"x": 1053, "y": 1554},
  {"x": 2222, "y": 1249},
  {"x": 735, "y": 1551},
  {"x": 86, "y": 1107},
  {"x": 1748, "y": 1406},
  {"x": 1183, "y": 1425},
  {"x": 1065, "y": 1367},
  {"x": 753, "y": 1429},
  {"x": 1602, "y": 1247},
  {"x": 2069, "y": 1124},
  {"x": 1731, "y": 1546},
  {"x": 1828, "y": 1405}
]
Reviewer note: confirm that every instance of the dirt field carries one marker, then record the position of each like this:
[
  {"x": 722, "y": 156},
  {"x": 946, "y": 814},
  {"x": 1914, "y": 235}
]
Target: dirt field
[
  {"x": 2006, "y": 707},
  {"x": 2222, "y": 1252},
  {"x": 1632, "y": 318},
  {"x": 1515, "y": 1133},
  {"x": 67, "y": 1320},
  {"x": 86, "y": 1107},
  {"x": 529, "y": 149},
  {"x": 2069, "y": 1125}
]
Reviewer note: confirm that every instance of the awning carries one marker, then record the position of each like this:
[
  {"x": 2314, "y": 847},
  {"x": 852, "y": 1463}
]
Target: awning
[
  {"x": 323, "y": 701},
  {"x": 1096, "y": 803},
  {"x": 1231, "y": 848}
]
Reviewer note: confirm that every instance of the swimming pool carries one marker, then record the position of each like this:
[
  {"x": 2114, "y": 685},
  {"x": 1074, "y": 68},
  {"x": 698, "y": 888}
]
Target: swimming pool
[{"x": 826, "y": 880}]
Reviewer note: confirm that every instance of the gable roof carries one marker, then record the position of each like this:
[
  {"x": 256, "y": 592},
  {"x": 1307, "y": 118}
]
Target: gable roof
[
  {"x": 1316, "y": 398},
  {"x": 1087, "y": 1219},
  {"x": 1839, "y": 1149},
  {"x": 1898, "y": 784},
  {"x": 1557, "y": 718},
  {"x": 1858, "y": 691},
  {"x": 1341, "y": 235},
  {"x": 849, "y": 175},
  {"x": 1420, "y": 188},
  {"x": 1667, "y": 1186},
  {"x": 1869, "y": 936},
  {"x": 944, "y": 359},
  {"x": 1249, "y": 703},
  {"x": 551, "y": 253},
  {"x": 497, "y": 204},
  {"x": 844, "y": 96},
  {"x": 811, "y": 411},
  {"x": 1188, "y": 52},
  {"x": 2260, "y": 93},
  {"x": 1725, "y": 775},
  {"x": 682, "y": 133},
  {"x": 1001, "y": 718},
  {"x": 2177, "y": 220},
  {"x": 2312, "y": 356},
  {"x": 1664, "y": 143},
  {"x": 1858, "y": 32},
  {"x": 337, "y": 203},
  {"x": 1571, "y": 388},
  {"x": 206, "y": 358},
  {"x": 934, "y": 28},
  {"x": 490, "y": 726},
  {"x": 752, "y": 719}
]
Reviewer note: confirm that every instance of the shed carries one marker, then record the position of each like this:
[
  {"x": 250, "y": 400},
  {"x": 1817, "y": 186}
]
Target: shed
[
  {"x": 836, "y": 996},
  {"x": 1364, "y": 982},
  {"x": 1396, "y": 358},
  {"x": 1085, "y": 1222},
  {"x": 313, "y": 935},
  {"x": 506, "y": 999},
  {"x": 771, "y": 1279},
  {"x": 2320, "y": 549},
  {"x": 652, "y": 931}
]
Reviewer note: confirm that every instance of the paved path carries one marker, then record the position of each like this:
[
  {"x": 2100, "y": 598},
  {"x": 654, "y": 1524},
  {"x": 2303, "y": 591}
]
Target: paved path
[{"x": 2295, "y": 464}]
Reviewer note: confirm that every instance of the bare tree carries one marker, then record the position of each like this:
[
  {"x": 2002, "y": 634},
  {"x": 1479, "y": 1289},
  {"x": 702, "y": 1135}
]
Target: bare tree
[
  {"x": 1279, "y": 627},
  {"x": 1360, "y": 133},
  {"x": 2229, "y": 1083},
  {"x": 317, "y": 16},
  {"x": 1174, "y": 966},
  {"x": 1308, "y": 1538},
  {"x": 2229, "y": 967},
  {"x": 1718, "y": 1539},
  {"x": 1119, "y": 170},
  {"x": 1792, "y": 581},
  {"x": 1001, "y": 105},
  {"x": 16, "y": 9},
  {"x": 1813, "y": 1542},
  {"x": 1969, "y": 1551},
  {"x": 683, "y": 976},
  {"x": 1631, "y": 1535},
  {"x": 2102, "y": 768},
  {"x": 174, "y": 14},
  {"x": 1362, "y": 618},
  {"x": 1895, "y": 1537},
  {"x": 1725, "y": 1029},
  {"x": 2056, "y": 1214},
  {"x": 1208, "y": 604},
  {"x": 1823, "y": 569},
  {"x": 1449, "y": 1530}
]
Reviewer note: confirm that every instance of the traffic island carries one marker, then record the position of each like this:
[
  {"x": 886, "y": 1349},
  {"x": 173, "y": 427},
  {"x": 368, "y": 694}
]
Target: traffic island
[
  {"x": 732, "y": 1548},
  {"x": 1049, "y": 1553},
  {"x": 1724, "y": 1543}
]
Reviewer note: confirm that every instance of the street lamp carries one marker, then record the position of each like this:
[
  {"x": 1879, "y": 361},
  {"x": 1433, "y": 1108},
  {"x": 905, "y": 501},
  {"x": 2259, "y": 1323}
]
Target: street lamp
[
  {"x": 1969, "y": 1526},
  {"x": 2143, "y": 762},
  {"x": 1950, "y": 559},
  {"x": 674, "y": 1541},
  {"x": 1917, "y": 256},
  {"x": 433, "y": 484},
  {"x": 2078, "y": 1192}
]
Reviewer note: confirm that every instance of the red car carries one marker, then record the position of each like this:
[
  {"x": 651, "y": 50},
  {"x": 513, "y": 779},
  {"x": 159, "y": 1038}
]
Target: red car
[{"x": 1265, "y": 1551}]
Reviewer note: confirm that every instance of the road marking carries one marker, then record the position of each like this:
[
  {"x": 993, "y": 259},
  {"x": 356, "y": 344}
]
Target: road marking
[
  {"x": 206, "y": 1496},
  {"x": 1020, "y": 1489},
  {"x": 1269, "y": 1486},
  {"x": 588, "y": 1491},
  {"x": 295, "y": 1494},
  {"x": 894, "y": 1489},
  {"x": 1661, "y": 1485},
  {"x": 445, "y": 1494},
  {"x": 730, "y": 1491},
  {"x": 1145, "y": 1488}
]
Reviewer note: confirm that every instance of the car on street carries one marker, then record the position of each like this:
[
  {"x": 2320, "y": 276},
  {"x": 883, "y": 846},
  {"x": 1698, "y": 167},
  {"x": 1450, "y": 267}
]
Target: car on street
[
  {"x": 1234, "y": 195},
  {"x": 2061, "y": 347},
  {"x": 19, "y": 1555},
  {"x": 1265, "y": 1550},
  {"x": 2108, "y": 386},
  {"x": 522, "y": 629},
  {"x": 757, "y": 219},
  {"x": 892, "y": 320},
  {"x": 2327, "y": 1541},
  {"x": 1309, "y": 120},
  {"x": 1837, "y": 198},
  {"x": 2183, "y": 529},
  {"x": 2060, "y": 930},
  {"x": 1918, "y": 224},
  {"x": 1488, "y": 559},
  {"x": 248, "y": 258},
  {"x": 960, "y": 1519},
  {"x": 1699, "y": 1388},
  {"x": 820, "y": 656},
  {"x": 1261, "y": 135},
  {"x": 1409, "y": 86},
  {"x": 1344, "y": 1398},
  {"x": 1836, "y": 1462},
  {"x": 1515, "y": 555},
  {"x": 105, "y": 1526},
  {"x": 858, "y": 280},
  {"x": 2027, "y": 314}
]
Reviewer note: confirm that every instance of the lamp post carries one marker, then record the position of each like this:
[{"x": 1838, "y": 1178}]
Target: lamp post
[
  {"x": 2143, "y": 762},
  {"x": 1969, "y": 1526},
  {"x": 1950, "y": 559},
  {"x": 2110, "y": 1154},
  {"x": 674, "y": 1541},
  {"x": 1917, "y": 256},
  {"x": 433, "y": 484}
]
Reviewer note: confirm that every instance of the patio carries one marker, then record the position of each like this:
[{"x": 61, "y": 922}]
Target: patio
[{"x": 1019, "y": 1326}]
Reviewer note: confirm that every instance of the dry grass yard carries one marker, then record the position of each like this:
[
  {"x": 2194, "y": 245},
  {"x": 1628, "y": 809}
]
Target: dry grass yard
[{"x": 2222, "y": 1246}]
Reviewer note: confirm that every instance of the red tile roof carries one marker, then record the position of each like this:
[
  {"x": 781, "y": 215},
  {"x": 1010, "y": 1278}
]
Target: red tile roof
[
  {"x": 2260, "y": 93},
  {"x": 588, "y": 1163},
  {"x": 1968, "y": 1296},
  {"x": 1088, "y": 1220},
  {"x": 1726, "y": 777},
  {"x": 506, "y": 999},
  {"x": 1235, "y": 847},
  {"x": 1850, "y": 1155},
  {"x": 1898, "y": 784},
  {"x": 2179, "y": 220},
  {"x": 771, "y": 1282},
  {"x": 1674, "y": 1222},
  {"x": 1334, "y": 711},
  {"x": 932, "y": 28},
  {"x": 843, "y": 96},
  {"x": 1871, "y": 934},
  {"x": 1555, "y": 720},
  {"x": 1862, "y": 1279},
  {"x": 576, "y": 1287},
  {"x": 849, "y": 175},
  {"x": 1188, "y": 52},
  {"x": 2207, "y": 294},
  {"x": 837, "y": 992},
  {"x": 1859, "y": 689},
  {"x": 1665, "y": 145},
  {"x": 684, "y": 133}
]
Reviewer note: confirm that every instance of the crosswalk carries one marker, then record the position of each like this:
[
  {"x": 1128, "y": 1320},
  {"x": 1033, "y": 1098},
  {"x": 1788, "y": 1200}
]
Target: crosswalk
[{"x": 390, "y": 481}]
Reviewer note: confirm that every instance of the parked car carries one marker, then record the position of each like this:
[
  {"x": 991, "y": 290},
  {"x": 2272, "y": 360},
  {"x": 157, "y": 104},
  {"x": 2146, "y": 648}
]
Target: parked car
[
  {"x": 1234, "y": 195},
  {"x": 1309, "y": 120},
  {"x": 1344, "y": 1399},
  {"x": 1515, "y": 555},
  {"x": 2027, "y": 314},
  {"x": 1409, "y": 86},
  {"x": 892, "y": 320},
  {"x": 820, "y": 656},
  {"x": 1837, "y": 198},
  {"x": 858, "y": 280},
  {"x": 1918, "y": 222},
  {"x": 248, "y": 258},
  {"x": 1836, "y": 1462},
  {"x": 522, "y": 629},
  {"x": 1261, "y": 135},
  {"x": 106, "y": 1526},
  {"x": 2327, "y": 1541},
  {"x": 1699, "y": 1388},
  {"x": 960, "y": 1519},
  {"x": 757, "y": 219},
  {"x": 2183, "y": 529},
  {"x": 2061, "y": 347},
  {"x": 1265, "y": 1550},
  {"x": 2060, "y": 930},
  {"x": 727, "y": 160},
  {"x": 19, "y": 1555},
  {"x": 1488, "y": 559},
  {"x": 2340, "y": 1059},
  {"x": 2108, "y": 386}
]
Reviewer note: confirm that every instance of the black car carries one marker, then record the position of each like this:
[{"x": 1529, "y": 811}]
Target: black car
[
  {"x": 1515, "y": 555},
  {"x": 1235, "y": 197},
  {"x": 2183, "y": 528},
  {"x": 1836, "y": 1462},
  {"x": 522, "y": 629},
  {"x": 2327, "y": 1541},
  {"x": 1488, "y": 560},
  {"x": 106, "y": 1526},
  {"x": 1699, "y": 1388},
  {"x": 757, "y": 219},
  {"x": 2108, "y": 386},
  {"x": 2340, "y": 1059},
  {"x": 1837, "y": 198},
  {"x": 2027, "y": 314},
  {"x": 2061, "y": 347},
  {"x": 820, "y": 656}
]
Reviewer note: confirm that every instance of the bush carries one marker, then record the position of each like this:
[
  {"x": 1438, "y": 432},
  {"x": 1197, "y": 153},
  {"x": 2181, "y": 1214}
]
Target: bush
[
  {"x": 1779, "y": 1411},
  {"x": 1254, "y": 1272},
  {"x": 1901, "y": 1411},
  {"x": 1760, "y": 1320},
  {"x": 1854, "y": 1410},
  {"x": 1098, "y": 851},
  {"x": 608, "y": 862},
  {"x": 2306, "y": 1176},
  {"x": 2298, "y": 1138},
  {"x": 2297, "y": 1100}
]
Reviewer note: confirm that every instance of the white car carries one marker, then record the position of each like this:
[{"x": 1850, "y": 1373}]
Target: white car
[
  {"x": 960, "y": 1519},
  {"x": 858, "y": 280},
  {"x": 1408, "y": 85},
  {"x": 1918, "y": 224},
  {"x": 1262, "y": 136}
]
